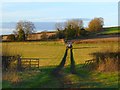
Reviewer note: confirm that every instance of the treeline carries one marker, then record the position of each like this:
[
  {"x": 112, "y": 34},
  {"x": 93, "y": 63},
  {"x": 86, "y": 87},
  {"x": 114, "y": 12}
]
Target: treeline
[{"x": 71, "y": 29}]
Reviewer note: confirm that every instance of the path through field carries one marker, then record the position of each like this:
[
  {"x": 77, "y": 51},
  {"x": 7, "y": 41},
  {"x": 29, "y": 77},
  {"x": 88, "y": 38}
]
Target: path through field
[
  {"x": 51, "y": 55},
  {"x": 62, "y": 63},
  {"x": 72, "y": 79}
]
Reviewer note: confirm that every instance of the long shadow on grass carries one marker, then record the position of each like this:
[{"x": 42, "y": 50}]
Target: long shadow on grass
[
  {"x": 61, "y": 65},
  {"x": 39, "y": 78},
  {"x": 72, "y": 67}
]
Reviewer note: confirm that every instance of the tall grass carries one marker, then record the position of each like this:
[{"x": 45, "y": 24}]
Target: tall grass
[
  {"x": 9, "y": 60},
  {"x": 11, "y": 76},
  {"x": 107, "y": 60}
]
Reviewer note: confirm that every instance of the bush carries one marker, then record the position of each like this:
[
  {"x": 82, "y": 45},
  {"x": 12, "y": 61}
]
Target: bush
[
  {"x": 11, "y": 76},
  {"x": 84, "y": 33},
  {"x": 11, "y": 37},
  {"x": 110, "y": 65},
  {"x": 9, "y": 58},
  {"x": 21, "y": 35},
  {"x": 7, "y": 62},
  {"x": 70, "y": 30},
  {"x": 54, "y": 36},
  {"x": 60, "y": 34},
  {"x": 107, "y": 61}
]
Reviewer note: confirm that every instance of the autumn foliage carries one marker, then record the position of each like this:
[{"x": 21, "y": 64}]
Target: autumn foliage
[{"x": 96, "y": 24}]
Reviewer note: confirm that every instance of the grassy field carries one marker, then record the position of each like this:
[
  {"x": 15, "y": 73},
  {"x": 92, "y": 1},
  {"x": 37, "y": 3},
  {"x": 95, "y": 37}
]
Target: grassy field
[
  {"x": 111, "y": 30},
  {"x": 54, "y": 51},
  {"x": 50, "y": 54}
]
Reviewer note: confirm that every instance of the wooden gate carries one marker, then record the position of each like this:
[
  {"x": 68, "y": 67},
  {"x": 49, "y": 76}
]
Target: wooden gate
[{"x": 30, "y": 62}]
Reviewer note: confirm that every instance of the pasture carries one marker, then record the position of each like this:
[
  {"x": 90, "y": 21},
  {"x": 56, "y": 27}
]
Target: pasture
[
  {"x": 51, "y": 54},
  {"x": 111, "y": 30}
]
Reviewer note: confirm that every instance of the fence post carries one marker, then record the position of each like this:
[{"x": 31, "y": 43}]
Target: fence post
[
  {"x": 19, "y": 63},
  {"x": 38, "y": 63}
]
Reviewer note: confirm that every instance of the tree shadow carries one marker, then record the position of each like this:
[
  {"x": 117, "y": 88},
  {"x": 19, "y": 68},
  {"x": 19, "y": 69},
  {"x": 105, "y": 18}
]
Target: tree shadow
[
  {"x": 57, "y": 70},
  {"x": 72, "y": 67}
]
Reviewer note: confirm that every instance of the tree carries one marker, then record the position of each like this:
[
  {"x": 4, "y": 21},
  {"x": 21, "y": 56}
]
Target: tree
[
  {"x": 21, "y": 35},
  {"x": 60, "y": 30},
  {"x": 96, "y": 24},
  {"x": 60, "y": 26},
  {"x": 27, "y": 26},
  {"x": 71, "y": 29},
  {"x": 11, "y": 37},
  {"x": 60, "y": 34}
]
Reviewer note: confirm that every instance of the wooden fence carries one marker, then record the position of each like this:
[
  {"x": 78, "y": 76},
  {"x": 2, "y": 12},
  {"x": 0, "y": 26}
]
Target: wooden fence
[
  {"x": 30, "y": 62},
  {"x": 27, "y": 63},
  {"x": 88, "y": 63}
]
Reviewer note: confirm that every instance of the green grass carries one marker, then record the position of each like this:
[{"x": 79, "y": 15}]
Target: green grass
[
  {"x": 51, "y": 54},
  {"x": 112, "y": 30},
  {"x": 83, "y": 79}
]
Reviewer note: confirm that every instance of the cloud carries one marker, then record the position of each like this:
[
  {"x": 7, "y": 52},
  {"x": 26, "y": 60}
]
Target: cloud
[{"x": 5, "y": 31}]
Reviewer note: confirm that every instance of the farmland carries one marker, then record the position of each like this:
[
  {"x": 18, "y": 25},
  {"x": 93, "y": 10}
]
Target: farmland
[
  {"x": 111, "y": 30},
  {"x": 51, "y": 54},
  {"x": 60, "y": 45}
]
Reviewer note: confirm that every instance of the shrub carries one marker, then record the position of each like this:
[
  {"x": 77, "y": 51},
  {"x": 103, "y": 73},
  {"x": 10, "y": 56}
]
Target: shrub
[
  {"x": 7, "y": 62},
  {"x": 11, "y": 37},
  {"x": 21, "y": 35},
  {"x": 109, "y": 65},
  {"x": 9, "y": 58},
  {"x": 54, "y": 36},
  {"x": 107, "y": 61},
  {"x": 11, "y": 76},
  {"x": 61, "y": 34}
]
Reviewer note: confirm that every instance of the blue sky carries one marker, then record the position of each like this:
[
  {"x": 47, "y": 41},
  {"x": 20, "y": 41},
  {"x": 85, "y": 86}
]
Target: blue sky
[{"x": 60, "y": 11}]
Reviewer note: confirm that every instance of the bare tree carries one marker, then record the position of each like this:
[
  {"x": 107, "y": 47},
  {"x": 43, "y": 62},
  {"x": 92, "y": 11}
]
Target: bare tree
[
  {"x": 70, "y": 29},
  {"x": 27, "y": 26},
  {"x": 75, "y": 23},
  {"x": 74, "y": 26},
  {"x": 60, "y": 26}
]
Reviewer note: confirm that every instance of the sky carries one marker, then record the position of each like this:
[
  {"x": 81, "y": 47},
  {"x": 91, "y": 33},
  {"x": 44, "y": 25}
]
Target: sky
[
  {"x": 59, "y": 11},
  {"x": 35, "y": 11}
]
